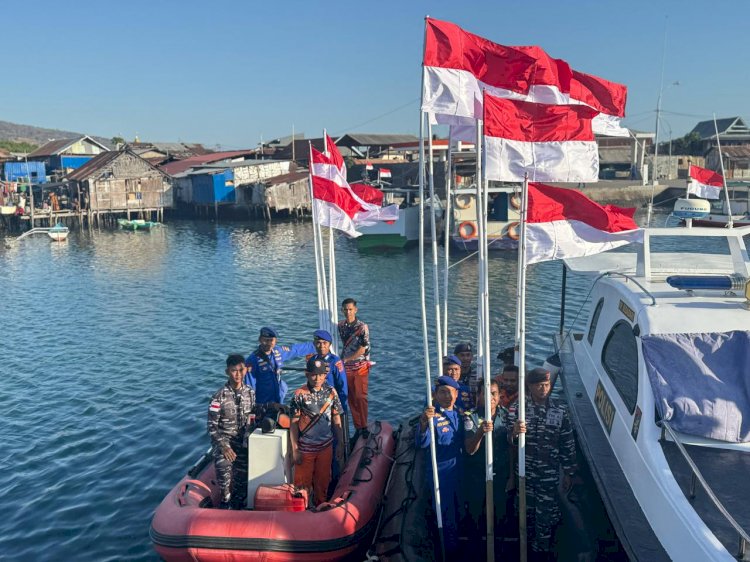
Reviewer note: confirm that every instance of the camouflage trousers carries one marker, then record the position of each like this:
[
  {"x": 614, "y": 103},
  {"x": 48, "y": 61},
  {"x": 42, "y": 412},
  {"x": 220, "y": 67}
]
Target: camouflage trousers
[
  {"x": 232, "y": 476},
  {"x": 542, "y": 510}
]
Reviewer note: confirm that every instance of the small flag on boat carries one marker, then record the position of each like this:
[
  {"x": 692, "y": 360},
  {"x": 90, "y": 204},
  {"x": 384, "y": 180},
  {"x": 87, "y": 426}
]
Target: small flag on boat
[
  {"x": 564, "y": 223},
  {"x": 459, "y": 66},
  {"x": 705, "y": 183},
  {"x": 384, "y": 173},
  {"x": 549, "y": 142},
  {"x": 368, "y": 166}
]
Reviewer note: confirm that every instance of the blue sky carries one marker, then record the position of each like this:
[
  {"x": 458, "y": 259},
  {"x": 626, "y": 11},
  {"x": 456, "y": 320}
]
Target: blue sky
[{"x": 226, "y": 72}]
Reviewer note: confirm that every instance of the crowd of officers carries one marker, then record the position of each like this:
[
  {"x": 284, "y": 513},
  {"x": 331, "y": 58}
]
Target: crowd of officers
[
  {"x": 256, "y": 390},
  {"x": 337, "y": 385},
  {"x": 460, "y": 425}
]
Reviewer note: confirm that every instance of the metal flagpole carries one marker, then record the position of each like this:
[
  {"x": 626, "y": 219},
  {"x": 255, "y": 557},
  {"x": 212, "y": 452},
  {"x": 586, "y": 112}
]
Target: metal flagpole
[
  {"x": 318, "y": 273},
  {"x": 730, "y": 223},
  {"x": 423, "y": 302},
  {"x": 447, "y": 216},
  {"x": 480, "y": 250},
  {"x": 332, "y": 286},
  {"x": 485, "y": 297},
  {"x": 435, "y": 272},
  {"x": 521, "y": 320}
]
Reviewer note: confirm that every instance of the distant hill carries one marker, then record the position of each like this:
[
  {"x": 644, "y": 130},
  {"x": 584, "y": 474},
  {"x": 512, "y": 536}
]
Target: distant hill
[{"x": 36, "y": 135}]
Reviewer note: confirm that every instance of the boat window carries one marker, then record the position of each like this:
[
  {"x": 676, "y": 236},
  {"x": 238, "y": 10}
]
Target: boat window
[
  {"x": 620, "y": 361},
  {"x": 595, "y": 320}
]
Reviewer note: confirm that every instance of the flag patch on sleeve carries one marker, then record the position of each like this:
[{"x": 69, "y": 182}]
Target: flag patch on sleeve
[{"x": 215, "y": 406}]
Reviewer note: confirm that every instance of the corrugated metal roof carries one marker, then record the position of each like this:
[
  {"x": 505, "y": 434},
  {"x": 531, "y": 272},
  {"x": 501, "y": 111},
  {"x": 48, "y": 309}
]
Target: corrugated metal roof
[
  {"x": 180, "y": 166},
  {"x": 368, "y": 139},
  {"x": 736, "y": 151},
  {"x": 706, "y": 129},
  {"x": 91, "y": 167},
  {"x": 55, "y": 147},
  {"x": 287, "y": 178}
]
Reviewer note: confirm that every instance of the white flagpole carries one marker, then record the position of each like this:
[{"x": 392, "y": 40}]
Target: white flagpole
[
  {"x": 485, "y": 316},
  {"x": 447, "y": 216},
  {"x": 435, "y": 272},
  {"x": 521, "y": 321},
  {"x": 332, "y": 287},
  {"x": 318, "y": 260},
  {"x": 423, "y": 301},
  {"x": 730, "y": 223},
  {"x": 480, "y": 250}
]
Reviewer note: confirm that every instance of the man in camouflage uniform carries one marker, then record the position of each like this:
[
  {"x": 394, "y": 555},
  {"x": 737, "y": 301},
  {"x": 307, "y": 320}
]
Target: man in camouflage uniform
[
  {"x": 228, "y": 416},
  {"x": 550, "y": 445}
]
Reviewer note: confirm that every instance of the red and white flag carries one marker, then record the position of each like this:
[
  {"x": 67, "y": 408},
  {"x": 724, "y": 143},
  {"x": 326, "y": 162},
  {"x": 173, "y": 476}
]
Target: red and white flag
[
  {"x": 564, "y": 223},
  {"x": 549, "y": 142},
  {"x": 384, "y": 173},
  {"x": 459, "y": 66},
  {"x": 705, "y": 183},
  {"x": 368, "y": 166}
]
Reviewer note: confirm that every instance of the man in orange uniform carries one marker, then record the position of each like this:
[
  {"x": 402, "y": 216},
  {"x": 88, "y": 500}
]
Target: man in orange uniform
[
  {"x": 316, "y": 415},
  {"x": 355, "y": 352}
]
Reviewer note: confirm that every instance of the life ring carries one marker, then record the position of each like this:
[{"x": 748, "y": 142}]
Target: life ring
[
  {"x": 467, "y": 230},
  {"x": 463, "y": 201},
  {"x": 515, "y": 201},
  {"x": 512, "y": 231}
]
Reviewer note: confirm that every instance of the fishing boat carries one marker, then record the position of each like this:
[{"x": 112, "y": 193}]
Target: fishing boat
[
  {"x": 137, "y": 224},
  {"x": 657, "y": 387},
  {"x": 278, "y": 525},
  {"x": 58, "y": 233},
  {"x": 502, "y": 219},
  {"x": 738, "y": 206}
]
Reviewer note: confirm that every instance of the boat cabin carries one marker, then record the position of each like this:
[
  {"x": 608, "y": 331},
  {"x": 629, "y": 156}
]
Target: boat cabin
[{"x": 657, "y": 382}]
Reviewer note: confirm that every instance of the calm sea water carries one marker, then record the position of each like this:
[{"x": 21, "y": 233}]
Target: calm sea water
[{"x": 113, "y": 342}]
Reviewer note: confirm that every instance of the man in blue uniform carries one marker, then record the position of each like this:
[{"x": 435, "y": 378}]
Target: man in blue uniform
[
  {"x": 452, "y": 369},
  {"x": 449, "y": 443},
  {"x": 264, "y": 367},
  {"x": 469, "y": 376}
]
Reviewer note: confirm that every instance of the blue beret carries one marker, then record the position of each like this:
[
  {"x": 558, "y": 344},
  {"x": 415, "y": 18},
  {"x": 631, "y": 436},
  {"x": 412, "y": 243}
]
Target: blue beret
[
  {"x": 322, "y": 335},
  {"x": 447, "y": 381},
  {"x": 462, "y": 347},
  {"x": 451, "y": 359},
  {"x": 317, "y": 365},
  {"x": 267, "y": 332}
]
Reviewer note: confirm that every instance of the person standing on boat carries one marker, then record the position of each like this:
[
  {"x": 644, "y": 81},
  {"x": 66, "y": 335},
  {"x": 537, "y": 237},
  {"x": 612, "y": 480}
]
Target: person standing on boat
[
  {"x": 550, "y": 445},
  {"x": 508, "y": 382},
  {"x": 316, "y": 417},
  {"x": 476, "y": 426},
  {"x": 355, "y": 352},
  {"x": 449, "y": 445},
  {"x": 469, "y": 377},
  {"x": 264, "y": 367},
  {"x": 229, "y": 415},
  {"x": 452, "y": 369},
  {"x": 336, "y": 374}
]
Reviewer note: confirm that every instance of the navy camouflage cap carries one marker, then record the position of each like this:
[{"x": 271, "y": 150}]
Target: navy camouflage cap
[
  {"x": 316, "y": 365},
  {"x": 266, "y": 332}
]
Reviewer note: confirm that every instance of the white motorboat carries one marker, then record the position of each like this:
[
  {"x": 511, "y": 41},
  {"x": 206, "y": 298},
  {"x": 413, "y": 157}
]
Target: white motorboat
[
  {"x": 58, "y": 233},
  {"x": 658, "y": 387},
  {"x": 720, "y": 209}
]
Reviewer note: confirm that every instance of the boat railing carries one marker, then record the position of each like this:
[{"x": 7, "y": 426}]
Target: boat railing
[
  {"x": 36, "y": 230},
  {"x": 630, "y": 278},
  {"x": 744, "y": 538}
]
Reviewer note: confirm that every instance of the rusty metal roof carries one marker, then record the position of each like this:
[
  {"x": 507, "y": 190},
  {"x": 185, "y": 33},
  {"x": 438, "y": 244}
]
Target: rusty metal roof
[
  {"x": 91, "y": 167},
  {"x": 56, "y": 147},
  {"x": 179, "y": 166}
]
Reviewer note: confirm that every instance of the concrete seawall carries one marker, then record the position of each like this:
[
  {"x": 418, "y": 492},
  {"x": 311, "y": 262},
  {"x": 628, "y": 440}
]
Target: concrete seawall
[{"x": 628, "y": 194}]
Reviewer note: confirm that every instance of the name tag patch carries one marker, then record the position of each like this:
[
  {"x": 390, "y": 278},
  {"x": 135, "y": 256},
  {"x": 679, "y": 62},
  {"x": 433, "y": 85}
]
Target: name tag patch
[{"x": 554, "y": 417}]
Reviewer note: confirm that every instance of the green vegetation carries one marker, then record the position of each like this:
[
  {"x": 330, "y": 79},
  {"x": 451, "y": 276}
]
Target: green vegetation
[
  {"x": 13, "y": 146},
  {"x": 689, "y": 145},
  {"x": 118, "y": 141}
]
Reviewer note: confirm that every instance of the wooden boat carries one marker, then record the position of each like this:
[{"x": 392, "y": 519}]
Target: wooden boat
[
  {"x": 58, "y": 233},
  {"x": 657, "y": 388},
  {"x": 502, "y": 220},
  {"x": 136, "y": 224},
  {"x": 187, "y": 527}
]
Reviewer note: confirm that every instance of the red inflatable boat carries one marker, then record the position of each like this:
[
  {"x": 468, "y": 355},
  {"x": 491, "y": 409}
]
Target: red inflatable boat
[{"x": 186, "y": 527}]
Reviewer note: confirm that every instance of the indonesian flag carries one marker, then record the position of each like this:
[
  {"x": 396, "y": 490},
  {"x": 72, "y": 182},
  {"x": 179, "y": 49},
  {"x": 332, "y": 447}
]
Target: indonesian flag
[
  {"x": 705, "y": 183},
  {"x": 368, "y": 193},
  {"x": 335, "y": 204},
  {"x": 384, "y": 173},
  {"x": 564, "y": 223},
  {"x": 459, "y": 66},
  {"x": 549, "y": 142},
  {"x": 368, "y": 166}
]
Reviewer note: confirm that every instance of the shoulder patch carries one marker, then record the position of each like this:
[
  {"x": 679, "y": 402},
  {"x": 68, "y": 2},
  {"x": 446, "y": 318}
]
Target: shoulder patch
[{"x": 215, "y": 406}]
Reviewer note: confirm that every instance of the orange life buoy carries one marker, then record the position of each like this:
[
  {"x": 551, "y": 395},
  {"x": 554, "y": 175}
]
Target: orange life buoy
[
  {"x": 463, "y": 201},
  {"x": 515, "y": 201},
  {"x": 467, "y": 230},
  {"x": 512, "y": 231}
]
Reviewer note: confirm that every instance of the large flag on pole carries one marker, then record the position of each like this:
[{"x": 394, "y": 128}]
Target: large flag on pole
[
  {"x": 564, "y": 223},
  {"x": 705, "y": 183},
  {"x": 459, "y": 66},
  {"x": 549, "y": 142}
]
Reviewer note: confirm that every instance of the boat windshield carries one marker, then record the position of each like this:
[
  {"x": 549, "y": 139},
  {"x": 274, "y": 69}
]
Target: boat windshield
[{"x": 700, "y": 382}]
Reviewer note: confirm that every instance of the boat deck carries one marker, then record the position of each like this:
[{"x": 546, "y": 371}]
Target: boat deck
[
  {"x": 726, "y": 472},
  {"x": 625, "y": 513}
]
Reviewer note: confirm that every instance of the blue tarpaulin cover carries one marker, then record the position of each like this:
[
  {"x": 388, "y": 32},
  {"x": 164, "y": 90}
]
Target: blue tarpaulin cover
[{"x": 701, "y": 382}]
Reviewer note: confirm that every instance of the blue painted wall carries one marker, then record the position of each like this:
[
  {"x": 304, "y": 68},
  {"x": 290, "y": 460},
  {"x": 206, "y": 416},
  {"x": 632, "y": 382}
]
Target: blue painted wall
[
  {"x": 212, "y": 188},
  {"x": 17, "y": 171},
  {"x": 73, "y": 162}
]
